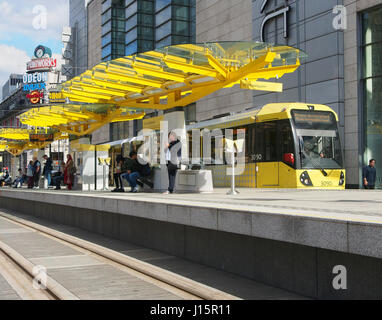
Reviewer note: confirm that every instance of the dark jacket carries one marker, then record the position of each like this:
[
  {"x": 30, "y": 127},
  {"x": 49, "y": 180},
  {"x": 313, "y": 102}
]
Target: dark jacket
[
  {"x": 48, "y": 166},
  {"x": 130, "y": 165},
  {"x": 370, "y": 174}
]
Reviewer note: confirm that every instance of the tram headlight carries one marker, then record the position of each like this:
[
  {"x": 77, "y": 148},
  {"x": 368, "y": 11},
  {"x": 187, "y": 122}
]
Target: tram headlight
[
  {"x": 305, "y": 179},
  {"x": 342, "y": 179}
]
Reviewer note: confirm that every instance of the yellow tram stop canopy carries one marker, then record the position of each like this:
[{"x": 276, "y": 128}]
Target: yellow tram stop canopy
[
  {"x": 17, "y": 140},
  {"x": 78, "y": 119},
  {"x": 169, "y": 77},
  {"x": 179, "y": 75}
]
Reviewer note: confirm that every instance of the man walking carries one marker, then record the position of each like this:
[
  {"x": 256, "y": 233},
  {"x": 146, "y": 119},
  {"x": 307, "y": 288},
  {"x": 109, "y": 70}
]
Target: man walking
[
  {"x": 36, "y": 172},
  {"x": 369, "y": 174},
  {"x": 48, "y": 168}
]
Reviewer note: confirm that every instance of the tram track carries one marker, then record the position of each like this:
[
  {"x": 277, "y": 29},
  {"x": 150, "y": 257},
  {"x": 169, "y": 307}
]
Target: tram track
[{"x": 181, "y": 286}]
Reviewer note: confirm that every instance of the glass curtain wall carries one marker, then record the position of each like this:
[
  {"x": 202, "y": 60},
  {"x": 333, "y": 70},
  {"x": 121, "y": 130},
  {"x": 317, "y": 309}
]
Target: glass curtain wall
[
  {"x": 113, "y": 29},
  {"x": 371, "y": 81},
  {"x": 140, "y": 24}
]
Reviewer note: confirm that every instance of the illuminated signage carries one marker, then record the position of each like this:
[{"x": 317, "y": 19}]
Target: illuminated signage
[
  {"x": 304, "y": 117},
  {"x": 56, "y": 97},
  {"x": 42, "y": 60},
  {"x": 41, "y": 137},
  {"x": 42, "y": 64},
  {"x": 42, "y": 52},
  {"x": 35, "y": 81},
  {"x": 35, "y": 97}
]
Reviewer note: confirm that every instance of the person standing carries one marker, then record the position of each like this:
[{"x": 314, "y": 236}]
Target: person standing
[
  {"x": 30, "y": 174},
  {"x": 173, "y": 152},
  {"x": 117, "y": 174},
  {"x": 68, "y": 172},
  {"x": 48, "y": 168},
  {"x": 36, "y": 172},
  {"x": 369, "y": 175}
]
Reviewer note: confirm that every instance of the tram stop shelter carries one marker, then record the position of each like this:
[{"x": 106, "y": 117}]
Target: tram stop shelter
[{"x": 164, "y": 79}]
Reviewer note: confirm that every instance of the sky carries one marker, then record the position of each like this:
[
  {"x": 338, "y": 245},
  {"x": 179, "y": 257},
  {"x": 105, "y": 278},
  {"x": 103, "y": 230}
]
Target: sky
[{"x": 25, "y": 24}]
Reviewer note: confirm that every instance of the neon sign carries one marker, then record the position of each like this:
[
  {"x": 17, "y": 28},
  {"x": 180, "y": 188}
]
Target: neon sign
[
  {"x": 35, "y": 81},
  {"x": 35, "y": 97}
]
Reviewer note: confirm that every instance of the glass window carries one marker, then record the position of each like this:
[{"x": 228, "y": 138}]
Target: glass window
[
  {"x": 127, "y": 2},
  {"x": 181, "y": 13},
  {"x": 132, "y": 22},
  {"x": 131, "y": 48},
  {"x": 106, "y": 28},
  {"x": 106, "y": 5},
  {"x": 146, "y": 33},
  {"x": 372, "y": 26},
  {"x": 146, "y": 6},
  {"x": 118, "y": 25},
  {"x": 181, "y": 2},
  {"x": 106, "y": 51},
  {"x": 163, "y": 30},
  {"x": 119, "y": 37},
  {"x": 164, "y": 42},
  {"x": 106, "y": 16},
  {"x": 132, "y": 35},
  {"x": 146, "y": 19},
  {"x": 145, "y": 45},
  {"x": 106, "y": 39},
  {"x": 160, "y": 4},
  {"x": 163, "y": 16},
  {"x": 372, "y": 88},
  {"x": 372, "y": 62},
  {"x": 118, "y": 13},
  {"x": 181, "y": 28},
  {"x": 180, "y": 39},
  {"x": 131, "y": 9}
]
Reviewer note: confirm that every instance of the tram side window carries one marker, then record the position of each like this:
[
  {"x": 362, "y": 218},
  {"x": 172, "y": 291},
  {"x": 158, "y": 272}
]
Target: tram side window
[
  {"x": 286, "y": 139},
  {"x": 258, "y": 155},
  {"x": 270, "y": 141}
]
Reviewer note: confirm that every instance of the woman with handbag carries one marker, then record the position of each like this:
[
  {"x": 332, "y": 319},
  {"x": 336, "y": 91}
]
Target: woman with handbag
[{"x": 69, "y": 172}]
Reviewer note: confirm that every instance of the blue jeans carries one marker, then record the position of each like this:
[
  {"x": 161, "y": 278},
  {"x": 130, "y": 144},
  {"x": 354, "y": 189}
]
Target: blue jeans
[
  {"x": 132, "y": 178},
  {"x": 48, "y": 176}
]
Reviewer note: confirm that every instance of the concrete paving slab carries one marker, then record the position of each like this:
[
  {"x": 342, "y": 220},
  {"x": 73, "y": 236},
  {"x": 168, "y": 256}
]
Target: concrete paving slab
[{"x": 6, "y": 291}]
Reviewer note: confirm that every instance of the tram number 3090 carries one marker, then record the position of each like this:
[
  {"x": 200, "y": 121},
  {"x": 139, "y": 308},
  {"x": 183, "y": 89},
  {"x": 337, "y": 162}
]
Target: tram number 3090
[{"x": 257, "y": 157}]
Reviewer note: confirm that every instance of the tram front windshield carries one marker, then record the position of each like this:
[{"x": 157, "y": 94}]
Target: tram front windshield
[{"x": 318, "y": 138}]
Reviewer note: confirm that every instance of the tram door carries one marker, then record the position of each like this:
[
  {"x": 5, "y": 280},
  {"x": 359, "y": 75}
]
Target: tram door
[{"x": 267, "y": 168}]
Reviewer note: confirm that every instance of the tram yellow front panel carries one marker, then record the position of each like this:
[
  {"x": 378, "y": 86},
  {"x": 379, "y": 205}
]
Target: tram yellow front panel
[{"x": 276, "y": 175}]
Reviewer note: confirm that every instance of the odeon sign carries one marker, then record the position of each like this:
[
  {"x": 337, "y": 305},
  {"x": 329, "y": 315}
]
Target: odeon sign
[{"x": 35, "y": 81}]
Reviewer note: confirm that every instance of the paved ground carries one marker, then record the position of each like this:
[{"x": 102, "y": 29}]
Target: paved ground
[
  {"x": 347, "y": 205},
  {"x": 90, "y": 278}
]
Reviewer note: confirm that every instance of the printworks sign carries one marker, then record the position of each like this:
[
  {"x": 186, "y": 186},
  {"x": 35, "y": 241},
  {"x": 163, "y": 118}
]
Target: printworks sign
[
  {"x": 43, "y": 60},
  {"x": 41, "y": 137}
]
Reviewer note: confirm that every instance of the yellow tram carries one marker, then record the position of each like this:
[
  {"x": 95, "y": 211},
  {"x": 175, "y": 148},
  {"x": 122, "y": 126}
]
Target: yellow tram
[{"x": 287, "y": 145}]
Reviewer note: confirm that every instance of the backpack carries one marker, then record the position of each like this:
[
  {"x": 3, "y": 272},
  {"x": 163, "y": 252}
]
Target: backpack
[
  {"x": 144, "y": 169},
  {"x": 73, "y": 170}
]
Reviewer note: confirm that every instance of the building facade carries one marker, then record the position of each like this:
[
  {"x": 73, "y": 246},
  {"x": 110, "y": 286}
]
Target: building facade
[
  {"x": 132, "y": 26},
  {"x": 78, "y": 24},
  {"x": 12, "y": 84},
  {"x": 342, "y": 39}
]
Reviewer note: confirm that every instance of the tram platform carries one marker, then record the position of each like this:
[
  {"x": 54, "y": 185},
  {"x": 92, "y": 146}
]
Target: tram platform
[{"x": 286, "y": 238}]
